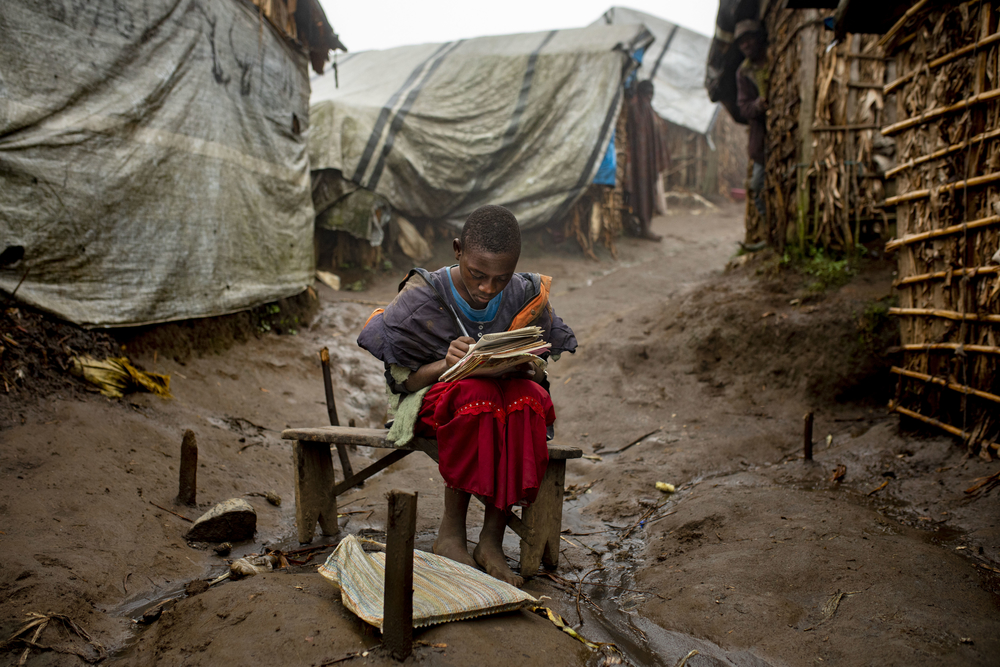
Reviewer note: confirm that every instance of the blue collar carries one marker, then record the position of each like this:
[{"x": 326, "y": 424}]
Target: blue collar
[{"x": 487, "y": 314}]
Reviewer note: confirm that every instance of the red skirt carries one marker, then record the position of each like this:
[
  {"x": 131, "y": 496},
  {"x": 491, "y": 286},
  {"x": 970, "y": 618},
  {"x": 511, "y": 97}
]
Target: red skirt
[{"x": 491, "y": 436}]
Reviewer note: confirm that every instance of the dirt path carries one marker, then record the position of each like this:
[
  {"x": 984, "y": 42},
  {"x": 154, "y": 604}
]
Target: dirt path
[{"x": 756, "y": 559}]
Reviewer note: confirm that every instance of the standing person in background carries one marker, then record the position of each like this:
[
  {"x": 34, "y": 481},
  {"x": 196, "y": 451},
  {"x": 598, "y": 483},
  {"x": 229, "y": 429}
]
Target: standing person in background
[
  {"x": 751, "y": 97},
  {"x": 649, "y": 155}
]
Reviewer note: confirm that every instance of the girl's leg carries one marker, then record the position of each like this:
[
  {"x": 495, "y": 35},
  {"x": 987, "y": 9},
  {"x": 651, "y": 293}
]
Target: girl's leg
[
  {"x": 489, "y": 551},
  {"x": 452, "y": 540}
]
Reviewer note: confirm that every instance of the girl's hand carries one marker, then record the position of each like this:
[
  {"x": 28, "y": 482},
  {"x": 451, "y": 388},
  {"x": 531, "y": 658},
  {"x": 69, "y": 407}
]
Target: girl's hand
[{"x": 458, "y": 348}]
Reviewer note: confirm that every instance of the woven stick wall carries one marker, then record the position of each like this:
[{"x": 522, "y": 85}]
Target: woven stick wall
[
  {"x": 696, "y": 167},
  {"x": 823, "y": 180},
  {"x": 946, "y": 99}
]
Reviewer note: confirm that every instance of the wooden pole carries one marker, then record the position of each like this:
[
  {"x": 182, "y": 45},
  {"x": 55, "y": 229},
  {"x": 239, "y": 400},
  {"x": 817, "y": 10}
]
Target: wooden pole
[
  {"x": 808, "y": 41},
  {"x": 960, "y": 388},
  {"x": 946, "y": 314},
  {"x": 979, "y": 138},
  {"x": 807, "y": 436},
  {"x": 937, "y": 62},
  {"x": 896, "y": 407},
  {"x": 938, "y": 275},
  {"x": 397, "y": 624},
  {"x": 188, "y": 486},
  {"x": 945, "y": 231},
  {"x": 944, "y": 347},
  {"x": 937, "y": 112},
  {"x": 331, "y": 410}
]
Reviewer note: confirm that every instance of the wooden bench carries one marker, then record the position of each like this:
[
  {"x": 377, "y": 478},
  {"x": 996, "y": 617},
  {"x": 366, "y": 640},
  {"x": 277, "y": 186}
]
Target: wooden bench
[{"x": 316, "y": 489}]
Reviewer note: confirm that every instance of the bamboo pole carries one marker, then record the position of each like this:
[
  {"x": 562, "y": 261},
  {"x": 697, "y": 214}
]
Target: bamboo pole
[
  {"x": 943, "y": 152},
  {"x": 948, "y": 187},
  {"x": 944, "y": 231},
  {"x": 943, "y": 60},
  {"x": 895, "y": 407},
  {"x": 843, "y": 128},
  {"x": 946, "y": 314},
  {"x": 932, "y": 114},
  {"x": 944, "y": 347},
  {"x": 960, "y": 388},
  {"x": 923, "y": 277},
  {"x": 901, "y": 23}
]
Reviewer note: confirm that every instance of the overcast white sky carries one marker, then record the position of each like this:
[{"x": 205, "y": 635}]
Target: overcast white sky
[{"x": 383, "y": 24}]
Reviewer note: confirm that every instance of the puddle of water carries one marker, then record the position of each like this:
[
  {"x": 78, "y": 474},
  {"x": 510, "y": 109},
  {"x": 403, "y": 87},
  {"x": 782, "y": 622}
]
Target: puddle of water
[{"x": 614, "y": 615}]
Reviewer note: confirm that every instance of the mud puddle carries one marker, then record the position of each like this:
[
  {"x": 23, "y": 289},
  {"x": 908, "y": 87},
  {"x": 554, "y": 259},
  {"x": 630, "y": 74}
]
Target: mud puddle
[{"x": 607, "y": 610}]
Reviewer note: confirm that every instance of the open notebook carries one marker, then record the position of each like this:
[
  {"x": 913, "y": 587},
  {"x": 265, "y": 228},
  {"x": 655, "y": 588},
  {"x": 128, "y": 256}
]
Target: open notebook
[{"x": 498, "y": 353}]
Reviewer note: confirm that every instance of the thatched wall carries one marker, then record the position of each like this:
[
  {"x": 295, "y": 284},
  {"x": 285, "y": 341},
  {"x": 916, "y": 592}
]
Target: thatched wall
[
  {"x": 945, "y": 97},
  {"x": 824, "y": 181},
  {"x": 710, "y": 169}
]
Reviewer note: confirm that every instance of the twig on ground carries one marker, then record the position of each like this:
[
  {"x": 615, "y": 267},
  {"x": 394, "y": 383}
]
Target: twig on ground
[
  {"x": 634, "y": 442},
  {"x": 642, "y": 518},
  {"x": 683, "y": 661},
  {"x": 171, "y": 511},
  {"x": 880, "y": 487},
  {"x": 579, "y": 591}
]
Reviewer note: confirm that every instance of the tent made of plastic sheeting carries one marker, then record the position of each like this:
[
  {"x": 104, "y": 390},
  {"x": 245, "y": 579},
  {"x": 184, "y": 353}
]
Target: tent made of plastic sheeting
[
  {"x": 153, "y": 161},
  {"x": 439, "y": 129},
  {"x": 676, "y": 64}
]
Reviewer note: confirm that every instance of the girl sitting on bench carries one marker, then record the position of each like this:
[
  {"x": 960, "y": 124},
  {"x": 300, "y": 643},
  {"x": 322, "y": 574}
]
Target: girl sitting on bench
[{"x": 491, "y": 432}]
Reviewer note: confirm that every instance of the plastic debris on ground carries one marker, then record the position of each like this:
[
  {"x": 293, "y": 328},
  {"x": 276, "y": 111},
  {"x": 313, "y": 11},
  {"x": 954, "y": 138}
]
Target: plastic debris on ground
[{"x": 115, "y": 377}]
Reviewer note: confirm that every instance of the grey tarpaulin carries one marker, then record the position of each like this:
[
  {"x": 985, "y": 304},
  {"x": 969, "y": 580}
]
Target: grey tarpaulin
[
  {"x": 152, "y": 159},
  {"x": 440, "y": 129},
  {"x": 676, "y": 64}
]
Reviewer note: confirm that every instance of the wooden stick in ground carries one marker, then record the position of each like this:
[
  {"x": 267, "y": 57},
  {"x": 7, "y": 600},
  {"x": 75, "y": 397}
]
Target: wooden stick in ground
[
  {"x": 331, "y": 409},
  {"x": 397, "y": 626},
  {"x": 807, "y": 436},
  {"x": 188, "y": 486}
]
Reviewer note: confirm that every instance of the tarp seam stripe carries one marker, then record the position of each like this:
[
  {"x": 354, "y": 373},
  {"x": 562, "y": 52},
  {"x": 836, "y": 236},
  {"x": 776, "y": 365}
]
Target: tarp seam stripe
[
  {"x": 397, "y": 121},
  {"x": 666, "y": 46},
  {"x": 515, "y": 121},
  {"x": 384, "y": 114},
  {"x": 522, "y": 98},
  {"x": 602, "y": 142},
  {"x": 603, "y": 139}
]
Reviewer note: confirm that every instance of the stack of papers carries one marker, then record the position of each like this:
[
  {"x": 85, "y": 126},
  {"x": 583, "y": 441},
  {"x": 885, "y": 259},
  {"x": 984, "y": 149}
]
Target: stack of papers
[{"x": 498, "y": 353}]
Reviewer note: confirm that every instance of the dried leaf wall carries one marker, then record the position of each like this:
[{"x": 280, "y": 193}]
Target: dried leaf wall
[
  {"x": 944, "y": 104},
  {"x": 824, "y": 179}
]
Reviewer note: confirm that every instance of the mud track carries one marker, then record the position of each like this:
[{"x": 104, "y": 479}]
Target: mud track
[{"x": 758, "y": 558}]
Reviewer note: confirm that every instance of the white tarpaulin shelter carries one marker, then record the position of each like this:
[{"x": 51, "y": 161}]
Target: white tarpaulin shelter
[
  {"x": 440, "y": 129},
  {"x": 676, "y": 64},
  {"x": 153, "y": 160}
]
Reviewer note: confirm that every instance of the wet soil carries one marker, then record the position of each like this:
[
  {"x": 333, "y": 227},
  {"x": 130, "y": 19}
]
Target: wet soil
[{"x": 758, "y": 558}]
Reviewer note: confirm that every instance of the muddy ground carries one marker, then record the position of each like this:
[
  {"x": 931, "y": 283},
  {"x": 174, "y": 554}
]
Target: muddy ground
[{"x": 757, "y": 559}]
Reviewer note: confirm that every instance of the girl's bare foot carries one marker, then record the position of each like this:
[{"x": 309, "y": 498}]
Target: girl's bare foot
[
  {"x": 453, "y": 547},
  {"x": 451, "y": 541},
  {"x": 491, "y": 558},
  {"x": 489, "y": 552}
]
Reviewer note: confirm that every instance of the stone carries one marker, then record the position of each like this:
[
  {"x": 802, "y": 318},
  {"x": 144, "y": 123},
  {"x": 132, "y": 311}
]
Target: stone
[
  {"x": 196, "y": 587},
  {"x": 231, "y": 521}
]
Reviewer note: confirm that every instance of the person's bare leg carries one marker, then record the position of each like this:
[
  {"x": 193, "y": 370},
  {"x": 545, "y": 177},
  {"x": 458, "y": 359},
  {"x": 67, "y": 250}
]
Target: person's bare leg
[
  {"x": 452, "y": 540},
  {"x": 489, "y": 551}
]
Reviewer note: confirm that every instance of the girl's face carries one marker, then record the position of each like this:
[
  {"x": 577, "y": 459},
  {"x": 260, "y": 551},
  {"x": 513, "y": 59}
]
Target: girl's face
[{"x": 482, "y": 275}]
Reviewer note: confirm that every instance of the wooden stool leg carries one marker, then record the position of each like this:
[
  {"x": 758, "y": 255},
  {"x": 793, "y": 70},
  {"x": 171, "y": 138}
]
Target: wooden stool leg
[
  {"x": 543, "y": 518},
  {"x": 314, "y": 479}
]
